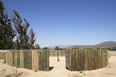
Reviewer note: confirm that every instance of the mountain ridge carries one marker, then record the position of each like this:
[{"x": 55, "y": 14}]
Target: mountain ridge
[{"x": 106, "y": 44}]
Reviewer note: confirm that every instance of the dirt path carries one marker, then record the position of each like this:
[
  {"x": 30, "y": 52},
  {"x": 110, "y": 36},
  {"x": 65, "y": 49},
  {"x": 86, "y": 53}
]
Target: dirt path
[
  {"x": 59, "y": 67},
  {"x": 59, "y": 70}
]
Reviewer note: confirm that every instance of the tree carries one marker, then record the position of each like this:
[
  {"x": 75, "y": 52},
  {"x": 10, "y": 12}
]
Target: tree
[
  {"x": 37, "y": 46},
  {"x": 21, "y": 29},
  {"x": 45, "y": 47},
  {"x": 57, "y": 48},
  {"x": 6, "y": 31},
  {"x": 114, "y": 49},
  {"x": 61, "y": 49},
  {"x": 17, "y": 44},
  {"x": 32, "y": 39}
]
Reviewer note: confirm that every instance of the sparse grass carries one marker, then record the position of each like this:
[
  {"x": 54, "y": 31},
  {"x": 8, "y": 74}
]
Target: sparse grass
[
  {"x": 8, "y": 76},
  {"x": 76, "y": 75},
  {"x": 81, "y": 72},
  {"x": 4, "y": 69},
  {"x": 109, "y": 66},
  {"x": 13, "y": 75},
  {"x": 35, "y": 70}
]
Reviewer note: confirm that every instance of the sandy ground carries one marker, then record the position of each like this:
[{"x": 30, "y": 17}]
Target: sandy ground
[{"x": 58, "y": 70}]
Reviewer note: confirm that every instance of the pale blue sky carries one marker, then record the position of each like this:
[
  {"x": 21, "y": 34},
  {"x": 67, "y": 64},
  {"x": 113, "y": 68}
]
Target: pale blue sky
[{"x": 68, "y": 22}]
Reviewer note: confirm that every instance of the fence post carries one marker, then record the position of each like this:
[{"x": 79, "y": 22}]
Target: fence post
[
  {"x": 57, "y": 55},
  {"x": 107, "y": 57},
  {"x": 47, "y": 60}
]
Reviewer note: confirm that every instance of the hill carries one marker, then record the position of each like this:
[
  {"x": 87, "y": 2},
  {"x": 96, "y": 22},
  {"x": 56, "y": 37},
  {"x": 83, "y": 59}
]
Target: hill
[{"x": 107, "y": 44}]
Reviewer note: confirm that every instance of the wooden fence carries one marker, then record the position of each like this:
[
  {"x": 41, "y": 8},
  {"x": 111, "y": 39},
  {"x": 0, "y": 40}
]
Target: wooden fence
[
  {"x": 76, "y": 59},
  {"x": 29, "y": 59},
  {"x": 40, "y": 60},
  {"x": 86, "y": 59},
  {"x": 55, "y": 52},
  {"x": 2, "y": 55}
]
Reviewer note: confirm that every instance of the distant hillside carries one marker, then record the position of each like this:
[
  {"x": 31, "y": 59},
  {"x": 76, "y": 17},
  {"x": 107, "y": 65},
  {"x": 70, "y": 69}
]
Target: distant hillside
[
  {"x": 107, "y": 44},
  {"x": 61, "y": 46}
]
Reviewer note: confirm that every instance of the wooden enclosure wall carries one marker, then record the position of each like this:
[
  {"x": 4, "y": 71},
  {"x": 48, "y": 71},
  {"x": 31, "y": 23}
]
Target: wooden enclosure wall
[
  {"x": 86, "y": 59},
  {"x": 29, "y": 59},
  {"x": 2, "y": 55},
  {"x": 40, "y": 60},
  {"x": 55, "y": 52}
]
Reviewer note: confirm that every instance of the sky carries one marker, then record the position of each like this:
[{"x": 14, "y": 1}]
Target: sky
[{"x": 68, "y": 22}]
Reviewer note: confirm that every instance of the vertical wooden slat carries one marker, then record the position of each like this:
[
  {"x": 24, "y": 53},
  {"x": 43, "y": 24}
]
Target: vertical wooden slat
[
  {"x": 93, "y": 58},
  {"x": 71, "y": 60},
  {"x": 10, "y": 57},
  {"x": 12, "y": 54},
  {"x": 47, "y": 60},
  {"x": 80, "y": 61},
  {"x": 102, "y": 52},
  {"x": 42, "y": 64},
  {"x": 88, "y": 57},
  {"x": 76, "y": 60},
  {"x": 100, "y": 58},
  {"x": 18, "y": 58},
  {"x": 107, "y": 57},
  {"x": 90, "y": 62},
  {"x": 25, "y": 59},
  {"x": 40, "y": 61},
  {"x": 85, "y": 61},
  {"x": 66, "y": 60},
  {"x": 6, "y": 58},
  {"x": 29, "y": 59},
  {"x": 15, "y": 58},
  {"x": 21, "y": 58}
]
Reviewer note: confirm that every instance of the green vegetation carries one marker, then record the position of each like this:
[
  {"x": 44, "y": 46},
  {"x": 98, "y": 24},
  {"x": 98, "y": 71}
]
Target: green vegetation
[
  {"x": 32, "y": 39},
  {"x": 58, "y": 48},
  {"x": 45, "y": 47},
  {"x": 114, "y": 49},
  {"x": 37, "y": 46},
  {"x": 21, "y": 29},
  {"x": 7, "y": 33}
]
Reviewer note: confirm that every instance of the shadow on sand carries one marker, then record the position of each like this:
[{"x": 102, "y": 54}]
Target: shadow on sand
[
  {"x": 68, "y": 69},
  {"x": 50, "y": 68}
]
